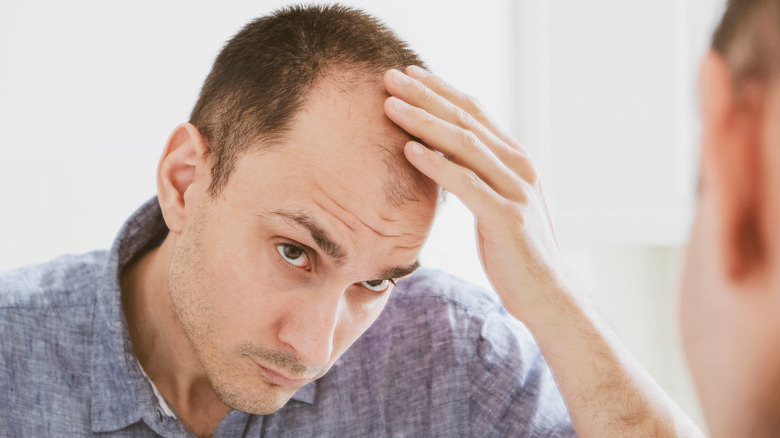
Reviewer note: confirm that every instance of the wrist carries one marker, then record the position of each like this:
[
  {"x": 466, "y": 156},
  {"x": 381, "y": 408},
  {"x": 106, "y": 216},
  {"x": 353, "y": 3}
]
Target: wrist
[{"x": 557, "y": 311}]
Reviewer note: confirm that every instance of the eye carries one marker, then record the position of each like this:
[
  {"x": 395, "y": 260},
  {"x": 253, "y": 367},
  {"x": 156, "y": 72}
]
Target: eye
[
  {"x": 376, "y": 285},
  {"x": 292, "y": 254}
]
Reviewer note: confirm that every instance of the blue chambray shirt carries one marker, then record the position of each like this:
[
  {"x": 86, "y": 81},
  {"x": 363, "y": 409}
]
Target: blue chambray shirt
[{"x": 443, "y": 359}]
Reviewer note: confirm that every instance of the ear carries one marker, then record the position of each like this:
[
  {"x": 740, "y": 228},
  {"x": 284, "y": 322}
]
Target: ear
[
  {"x": 732, "y": 117},
  {"x": 176, "y": 173}
]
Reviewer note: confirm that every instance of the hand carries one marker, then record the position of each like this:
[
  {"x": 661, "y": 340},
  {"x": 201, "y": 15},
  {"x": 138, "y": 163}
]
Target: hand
[{"x": 493, "y": 176}]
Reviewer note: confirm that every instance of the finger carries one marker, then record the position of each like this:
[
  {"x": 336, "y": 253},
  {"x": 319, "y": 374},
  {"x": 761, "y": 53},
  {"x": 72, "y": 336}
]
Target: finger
[
  {"x": 475, "y": 193},
  {"x": 419, "y": 95},
  {"x": 461, "y": 100},
  {"x": 461, "y": 146}
]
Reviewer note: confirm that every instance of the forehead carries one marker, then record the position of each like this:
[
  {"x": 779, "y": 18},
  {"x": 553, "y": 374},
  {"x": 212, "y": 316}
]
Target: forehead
[
  {"x": 342, "y": 153},
  {"x": 342, "y": 122},
  {"x": 342, "y": 134}
]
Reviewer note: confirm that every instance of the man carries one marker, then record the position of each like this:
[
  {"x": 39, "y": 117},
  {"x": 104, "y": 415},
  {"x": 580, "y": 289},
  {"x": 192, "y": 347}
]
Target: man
[
  {"x": 730, "y": 293},
  {"x": 285, "y": 212},
  {"x": 301, "y": 190}
]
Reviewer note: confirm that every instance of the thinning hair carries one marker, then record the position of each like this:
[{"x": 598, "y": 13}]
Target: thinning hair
[
  {"x": 263, "y": 74},
  {"x": 748, "y": 36}
]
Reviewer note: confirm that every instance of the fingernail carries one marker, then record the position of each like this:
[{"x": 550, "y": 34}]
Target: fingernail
[
  {"x": 400, "y": 106},
  {"x": 417, "y": 149},
  {"x": 400, "y": 78},
  {"x": 416, "y": 72}
]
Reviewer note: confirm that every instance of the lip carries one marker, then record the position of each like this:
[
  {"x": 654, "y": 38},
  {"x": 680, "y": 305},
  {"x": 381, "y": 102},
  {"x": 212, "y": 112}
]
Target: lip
[{"x": 279, "y": 379}]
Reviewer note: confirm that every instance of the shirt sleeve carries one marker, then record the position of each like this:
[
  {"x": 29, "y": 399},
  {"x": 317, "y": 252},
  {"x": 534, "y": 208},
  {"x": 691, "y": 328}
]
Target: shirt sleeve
[{"x": 512, "y": 391}]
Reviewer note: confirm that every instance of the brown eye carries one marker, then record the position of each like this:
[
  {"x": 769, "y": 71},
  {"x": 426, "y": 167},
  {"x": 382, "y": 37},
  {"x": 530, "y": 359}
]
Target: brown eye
[
  {"x": 376, "y": 285},
  {"x": 292, "y": 254}
]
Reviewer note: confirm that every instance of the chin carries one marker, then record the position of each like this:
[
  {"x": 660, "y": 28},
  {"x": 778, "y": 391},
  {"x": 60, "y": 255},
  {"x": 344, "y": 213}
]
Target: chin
[{"x": 254, "y": 398}]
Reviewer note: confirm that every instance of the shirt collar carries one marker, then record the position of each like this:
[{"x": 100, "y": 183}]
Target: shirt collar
[
  {"x": 116, "y": 402},
  {"x": 121, "y": 395}
]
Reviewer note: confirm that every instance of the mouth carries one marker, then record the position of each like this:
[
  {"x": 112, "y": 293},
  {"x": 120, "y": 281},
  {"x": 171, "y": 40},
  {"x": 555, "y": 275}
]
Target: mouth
[{"x": 278, "y": 379}]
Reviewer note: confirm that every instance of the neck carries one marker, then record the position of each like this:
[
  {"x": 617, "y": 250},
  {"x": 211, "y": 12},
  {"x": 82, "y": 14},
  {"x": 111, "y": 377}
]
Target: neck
[{"x": 162, "y": 347}]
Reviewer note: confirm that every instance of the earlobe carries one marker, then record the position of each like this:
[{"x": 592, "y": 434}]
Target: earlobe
[
  {"x": 731, "y": 158},
  {"x": 178, "y": 171}
]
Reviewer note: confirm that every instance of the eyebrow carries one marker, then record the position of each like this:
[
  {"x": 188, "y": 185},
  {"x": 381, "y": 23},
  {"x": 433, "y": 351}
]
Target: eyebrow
[
  {"x": 330, "y": 247},
  {"x": 400, "y": 271},
  {"x": 320, "y": 236}
]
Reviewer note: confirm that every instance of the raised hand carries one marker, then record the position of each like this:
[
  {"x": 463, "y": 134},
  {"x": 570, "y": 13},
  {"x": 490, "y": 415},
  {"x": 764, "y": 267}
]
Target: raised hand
[
  {"x": 607, "y": 391},
  {"x": 494, "y": 177}
]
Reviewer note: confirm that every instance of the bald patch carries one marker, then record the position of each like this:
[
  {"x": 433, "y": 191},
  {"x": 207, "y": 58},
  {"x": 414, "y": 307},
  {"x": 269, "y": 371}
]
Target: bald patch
[{"x": 404, "y": 184}]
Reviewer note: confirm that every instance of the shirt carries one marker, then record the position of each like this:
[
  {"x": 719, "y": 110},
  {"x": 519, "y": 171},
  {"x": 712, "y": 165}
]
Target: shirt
[{"x": 443, "y": 359}]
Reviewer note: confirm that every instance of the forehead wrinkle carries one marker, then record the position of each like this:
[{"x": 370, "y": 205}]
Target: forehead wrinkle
[
  {"x": 414, "y": 243},
  {"x": 325, "y": 209},
  {"x": 336, "y": 203},
  {"x": 374, "y": 230},
  {"x": 393, "y": 272},
  {"x": 357, "y": 219}
]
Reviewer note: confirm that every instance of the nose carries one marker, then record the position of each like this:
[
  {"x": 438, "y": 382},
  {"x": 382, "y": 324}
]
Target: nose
[{"x": 310, "y": 326}]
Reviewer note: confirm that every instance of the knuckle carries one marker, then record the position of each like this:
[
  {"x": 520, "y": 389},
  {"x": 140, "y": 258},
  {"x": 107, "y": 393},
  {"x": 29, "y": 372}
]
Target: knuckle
[
  {"x": 516, "y": 190},
  {"x": 469, "y": 140},
  {"x": 514, "y": 212},
  {"x": 440, "y": 84},
  {"x": 472, "y": 105},
  {"x": 516, "y": 145},
  {"x": 531, "y": 173},
  {"x": 470, "y": 180},
  {"x": 427, "y": 118},
  {"x": 427, "y": 95},
  {"x": 524, "y": 167},
  {"x": 463, "y": 118}
]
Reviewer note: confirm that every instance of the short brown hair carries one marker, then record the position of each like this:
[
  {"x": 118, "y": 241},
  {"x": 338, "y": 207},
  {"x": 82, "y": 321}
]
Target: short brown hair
[
  {"x": 261, "y": 77},
  {"x": 748, "y": 36}
]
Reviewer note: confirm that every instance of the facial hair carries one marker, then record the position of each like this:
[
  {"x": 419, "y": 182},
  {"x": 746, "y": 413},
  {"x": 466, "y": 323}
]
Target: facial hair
[{"x": 195, "y": 301}]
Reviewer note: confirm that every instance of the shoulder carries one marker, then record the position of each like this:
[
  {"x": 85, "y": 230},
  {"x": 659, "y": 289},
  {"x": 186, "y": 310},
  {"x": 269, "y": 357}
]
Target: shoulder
[
  {"x": 443, "y": 342},
  {"x": 69, "y": 280},
  {"x": 444, "y": 302},
  {"x": 434, "y": 306},
  {"x": 46, "y": 318},
  {"x": 436, "y": 287},
  {"x": 495, "y": 358}
]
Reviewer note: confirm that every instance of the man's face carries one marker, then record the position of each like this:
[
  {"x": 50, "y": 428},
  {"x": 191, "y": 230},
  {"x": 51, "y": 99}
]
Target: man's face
[{"x": 274, "y": 279}]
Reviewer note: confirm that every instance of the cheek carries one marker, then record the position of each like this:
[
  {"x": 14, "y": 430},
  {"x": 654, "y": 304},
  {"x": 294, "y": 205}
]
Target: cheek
[
  {"x": 701, "y": 290},
  {"x": 248, "y": 290},
  {"x": 358, "y": 316},
  {"x": 692, "y": 279}
]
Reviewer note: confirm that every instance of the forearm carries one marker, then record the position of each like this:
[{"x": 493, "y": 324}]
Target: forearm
[{"x": 607, "y": 391}]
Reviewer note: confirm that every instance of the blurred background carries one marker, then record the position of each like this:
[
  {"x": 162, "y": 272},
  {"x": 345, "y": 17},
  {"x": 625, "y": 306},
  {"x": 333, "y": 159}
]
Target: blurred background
[{"x": 602, "y": 93}]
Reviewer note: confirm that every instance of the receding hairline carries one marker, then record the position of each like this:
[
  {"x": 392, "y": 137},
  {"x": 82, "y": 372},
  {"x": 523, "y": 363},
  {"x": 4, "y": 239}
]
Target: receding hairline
[
  {"x": 261, "y": 75},
  {"x": 404, "y": 184}
]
